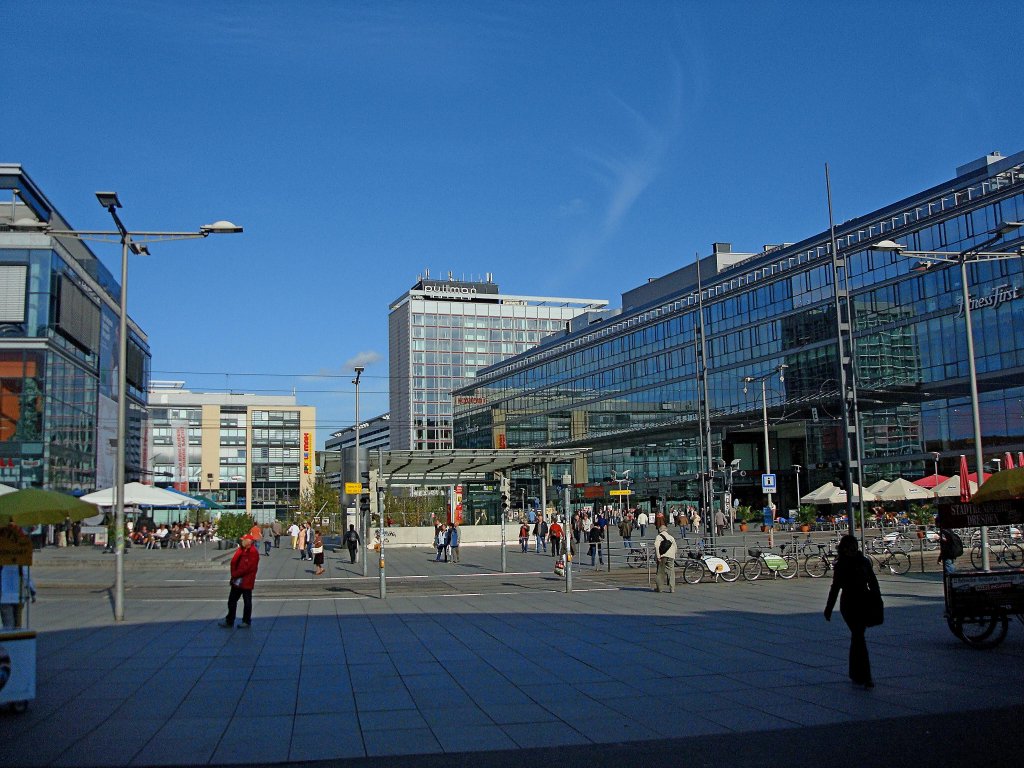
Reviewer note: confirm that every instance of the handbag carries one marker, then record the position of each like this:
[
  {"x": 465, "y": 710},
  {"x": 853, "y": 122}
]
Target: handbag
[
  {"x": 317, "y": 550},
  {"x": 874, "y": 608}
]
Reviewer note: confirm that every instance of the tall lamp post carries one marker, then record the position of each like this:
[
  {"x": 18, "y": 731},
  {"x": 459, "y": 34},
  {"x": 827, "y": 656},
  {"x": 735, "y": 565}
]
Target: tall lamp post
[
  {"x": 624, "y": 480},
  {"x": 364, "y": 525},
  {"x": 976, "y": 253},
  {"x": 136, "y": 243},
  {"x": 781, "y": 370},
  {"x": 797, "y": 468}
]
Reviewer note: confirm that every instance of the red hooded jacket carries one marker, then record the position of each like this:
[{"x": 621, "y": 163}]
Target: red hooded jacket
[{"x": 244, "y": 564}]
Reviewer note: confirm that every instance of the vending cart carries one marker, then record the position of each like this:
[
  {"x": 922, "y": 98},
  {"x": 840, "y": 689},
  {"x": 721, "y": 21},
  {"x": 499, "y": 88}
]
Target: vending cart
[{"x": 17, "y": 643}]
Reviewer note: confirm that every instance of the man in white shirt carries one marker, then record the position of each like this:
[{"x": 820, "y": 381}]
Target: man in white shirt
[{"x": 293, "y": 531}]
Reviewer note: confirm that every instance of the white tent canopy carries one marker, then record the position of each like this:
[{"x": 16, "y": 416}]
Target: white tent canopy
[
  {"x": 139, "y": 495},
  {"x": 4, "y": 489},
  {"x": 951, "y": 487},
  {"x": 904, "y": 490}
]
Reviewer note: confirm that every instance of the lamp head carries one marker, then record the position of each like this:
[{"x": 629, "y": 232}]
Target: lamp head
[
  {"x": 782, "y": 371},
  {"x": 139, "y": 249},
  {"x": 221, "y": 227},
  {"x": 108, "y": 200},
  {"x": 889, "y": 246},
  {"x": 1007, "y": 227}
]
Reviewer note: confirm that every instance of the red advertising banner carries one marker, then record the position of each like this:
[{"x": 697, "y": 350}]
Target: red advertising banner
[{"x": 181, "y": 459}]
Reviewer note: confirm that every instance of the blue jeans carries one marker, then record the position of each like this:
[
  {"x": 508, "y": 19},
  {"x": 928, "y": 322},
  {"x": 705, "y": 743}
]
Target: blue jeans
[
  {"x": 541, "y": 542},
  {"x": 948, "y": 566}
]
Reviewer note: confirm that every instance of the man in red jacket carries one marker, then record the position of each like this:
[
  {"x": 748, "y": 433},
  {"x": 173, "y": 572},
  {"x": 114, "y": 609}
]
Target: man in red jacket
[{"x": 244, "y": 564}]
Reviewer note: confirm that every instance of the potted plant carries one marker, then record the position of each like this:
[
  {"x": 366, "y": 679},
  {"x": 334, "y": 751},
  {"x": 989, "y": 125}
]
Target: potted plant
[
  {"x": 743, "y": 516},
  {"x": 806, "y": 515},
  {"x": 232, "y": 526},
  {"x": 921, "y": 515}
]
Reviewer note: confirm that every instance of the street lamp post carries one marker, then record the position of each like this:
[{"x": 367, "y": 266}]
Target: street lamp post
[
  {"x": 136, "y": 243},
  {"x": 974, "y": 254},
  {"x": 797, "y": 468},
  {"x": 364, "y": 526},
  {"x": 624, "y": 480},
  {"x": 781, "y": 369}
]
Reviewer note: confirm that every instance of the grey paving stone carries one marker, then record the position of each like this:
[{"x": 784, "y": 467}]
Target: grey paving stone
[{"x": 412, "y": 741}]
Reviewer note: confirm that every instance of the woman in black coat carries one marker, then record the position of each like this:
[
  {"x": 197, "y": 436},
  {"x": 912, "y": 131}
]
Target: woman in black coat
[{"x": 854, "y": 576}]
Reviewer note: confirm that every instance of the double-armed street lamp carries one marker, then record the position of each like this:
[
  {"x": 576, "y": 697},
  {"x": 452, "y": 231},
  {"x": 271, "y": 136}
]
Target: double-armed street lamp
[
  {"x": 364, "y": 525},
  {"x": 781, "y": 370},
  {"x": 974, "y": 254},
  {"x": 136, "y": 243}
]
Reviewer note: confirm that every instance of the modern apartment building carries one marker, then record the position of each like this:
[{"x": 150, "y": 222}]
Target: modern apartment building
[
  {"x": 59, "y": 317},
  {"x": 441, "y": 332},
  {"x": 248, "y": 452},
  {"x": 630, "y": 387}
]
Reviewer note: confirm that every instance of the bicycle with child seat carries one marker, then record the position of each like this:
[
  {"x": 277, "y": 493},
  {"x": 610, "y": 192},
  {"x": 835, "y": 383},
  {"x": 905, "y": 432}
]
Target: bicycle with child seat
[
  {"x": 762, "y": 562},
  {"x": 698, "y": 563},
  {"x": 895, "y": 560}
]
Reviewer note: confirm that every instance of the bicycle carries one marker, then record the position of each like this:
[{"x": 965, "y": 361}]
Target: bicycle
[
  {"x": 1007, "y": 554},
  {"x": 818, "y": 564},
  {"x": 641, "y": 556},
  {"x": 760, "y": 561},
  {"x": 894, "y": 541},
  {"x": 897, "y": 561},
  {"x": 697, "y": 563}
]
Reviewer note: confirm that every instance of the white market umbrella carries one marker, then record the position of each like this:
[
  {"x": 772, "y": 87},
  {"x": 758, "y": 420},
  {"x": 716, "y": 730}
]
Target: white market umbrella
[
  {"x": 139, "y": 495},
  {"x": 878, "y": 486},
  {"x": 904, "y": 490},
  {"x": 5, "y": 489},
  {"x": 818, "y": 494},
  {"x": 839, "y": 495},
  {"x": 951, "y": 487}
]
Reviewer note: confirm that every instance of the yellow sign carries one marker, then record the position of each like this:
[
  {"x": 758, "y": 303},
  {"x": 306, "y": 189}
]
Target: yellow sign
[
  {"x": 15, "y": 547},
  {"x": 351, "y": 488},
  {"x": 620, "y": 493}
]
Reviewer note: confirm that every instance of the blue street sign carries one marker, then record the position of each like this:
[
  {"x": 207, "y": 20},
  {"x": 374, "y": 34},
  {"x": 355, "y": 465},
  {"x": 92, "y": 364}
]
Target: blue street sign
[{"x": 768, "y": 483}]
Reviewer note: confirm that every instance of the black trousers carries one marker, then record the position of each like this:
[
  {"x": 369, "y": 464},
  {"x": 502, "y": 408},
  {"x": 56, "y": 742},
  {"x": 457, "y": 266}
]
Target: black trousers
[
  {"x": 246, "y": 595},
  {"x": 860, "y": 664},
  {"x": 556, "y": 547},
  {"x": 352, "y": 553}
]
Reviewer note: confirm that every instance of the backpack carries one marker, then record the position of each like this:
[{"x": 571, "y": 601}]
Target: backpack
[{"x": 956, "y": 545}]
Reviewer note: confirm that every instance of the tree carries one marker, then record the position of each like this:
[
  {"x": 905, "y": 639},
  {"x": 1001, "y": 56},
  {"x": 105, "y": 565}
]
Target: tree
[{"x": 319, "y": 500}]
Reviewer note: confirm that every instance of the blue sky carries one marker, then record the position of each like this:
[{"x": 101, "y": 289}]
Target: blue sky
[{"x": 570, "y": 148}]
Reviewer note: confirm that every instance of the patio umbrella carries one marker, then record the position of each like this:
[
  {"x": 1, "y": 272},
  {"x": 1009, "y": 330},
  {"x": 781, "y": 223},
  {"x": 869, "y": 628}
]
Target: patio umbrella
[
  {"x": 965, "y": 481},
  {"x": 930, "y": 481},
  {"x": 878, "y": 486},
  {"x": 5, "y": 489},
  {"x": 819, "y": 493},
  {"x": 904, "y": 490},
  {"x": 839, "y": 495},
  {"x": 1003, "y": 486},
  {"x": 1007, "y": 461},
  {"x": 951, "y": 487},
  {"x": 34, "y": 506},
  {"x": 1020, "y": 459},
  {"x": 139, "y": 495}
]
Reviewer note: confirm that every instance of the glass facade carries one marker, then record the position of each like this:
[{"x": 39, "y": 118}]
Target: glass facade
[
  {"x": 58, "y": 354},
  {"x": 628, "y": 388},
  {"x": 440, "y": 336}
]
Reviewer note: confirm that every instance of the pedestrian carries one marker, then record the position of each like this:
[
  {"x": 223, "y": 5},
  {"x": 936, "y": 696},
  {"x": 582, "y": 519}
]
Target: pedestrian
[
  {"x": 455, "y": 534},
  {"x": 15, "y": 586},
  {"x": 594, "y": 540},
  {"x": 720, "y": 522},
  {"x": 268, "y": 540},
  {"x": 665, "y": 547},
  {"x": 854, "y": 576},
  {"x": 293, "y": 531},
  {"x": 555, "y": 534},
  {"x": 695, "y": 520},
  {"x": 309, "y": 540},
  {"x": 641, "y": 522},
  {"x": 301, "y": 542},
  {"x": 256, "y": 532},
  {"x": 275, "y": 528},
  {"x": 439, "y": 542},
  {"x": 448, "y": 542},
  {"x": 626, "y": 531},
  {"x": 951, "y": 546},
  {"x": 318, "y": 553},
  {"x": 352, "y": 541},
  {"x": 244, "y": 564},
  {"x": 540, "y": 532},
  {"x": 524, "y": 536}
]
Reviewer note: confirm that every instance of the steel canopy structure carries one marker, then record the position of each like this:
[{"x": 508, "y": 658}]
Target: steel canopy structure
[{"x": 440, "y": 467}]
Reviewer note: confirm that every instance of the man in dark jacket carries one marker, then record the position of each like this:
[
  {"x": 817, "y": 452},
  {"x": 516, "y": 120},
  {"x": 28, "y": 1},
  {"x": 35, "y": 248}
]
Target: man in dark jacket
[
  {"x": 352, "y": 542},
  {"x": 244, "y": 564},
  {"x": 540, "y": 531}
]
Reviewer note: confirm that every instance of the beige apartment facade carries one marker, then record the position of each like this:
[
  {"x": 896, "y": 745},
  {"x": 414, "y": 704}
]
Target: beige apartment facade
[{"x": 253, "y": 453}]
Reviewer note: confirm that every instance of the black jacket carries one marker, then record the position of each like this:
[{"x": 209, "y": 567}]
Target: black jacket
[{"x": 854, "y": 576}]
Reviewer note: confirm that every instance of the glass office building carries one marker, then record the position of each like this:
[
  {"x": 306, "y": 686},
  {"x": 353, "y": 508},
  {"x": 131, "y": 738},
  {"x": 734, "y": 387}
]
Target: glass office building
[
  {"x": 59, "y": 311},
  {"x": 629, "y": 386},
  {"x": 441, "y": 332}
]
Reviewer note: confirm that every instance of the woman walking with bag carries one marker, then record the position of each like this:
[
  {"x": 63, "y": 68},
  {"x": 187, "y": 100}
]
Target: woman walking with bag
[
  {"x": 860, "y": 605},
  {"x": 318, "y": 553}
]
